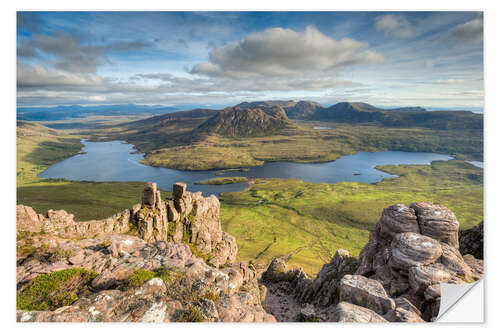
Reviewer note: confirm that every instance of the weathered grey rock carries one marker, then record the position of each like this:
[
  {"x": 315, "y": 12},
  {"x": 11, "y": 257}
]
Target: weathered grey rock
[
  {"x": 404, "y": 303},
  {"x": 432, "y": 292},
  {"x": 471, "y": 241},
  {"x": 104, "y": 281},
  {"x": 410, "y": 249},
  {"x": 149, "y": 195},
  {"x": 453, "y": 262},
  {"x": 225, "y": 251},
  {"x": 475, "y": 265},
  {"x": 178, "y": 190},
  {"x": 403, "y": 315},
  {"x": 437, "y": 222},
  {"x": 172, "y": 213},
  {"x": 27, "y": 219},
  {"x": 277, "y": 271},
  {"x": 422, "y": 277},
  {"x": 359, "y": 290},
  {"x": 349, "y": 313},
  {"x": 208, "y": 310},
  {"x": 323, "y": 291},
  {"x": 404, "y": 263},
  {"x": 57, "y": 219},
  {"x": 367, "y": 254},
  {"x": 398, "y": 219},
  {"x": 77, "y": 258},
  {"x": 398, "y": 286}
]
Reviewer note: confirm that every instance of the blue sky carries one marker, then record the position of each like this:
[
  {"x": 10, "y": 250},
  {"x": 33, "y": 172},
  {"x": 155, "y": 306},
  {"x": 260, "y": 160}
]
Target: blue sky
[{"x": 430, "y": 59}]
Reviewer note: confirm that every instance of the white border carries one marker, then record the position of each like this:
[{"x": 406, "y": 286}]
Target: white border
[{"x": 492, "y": 112}]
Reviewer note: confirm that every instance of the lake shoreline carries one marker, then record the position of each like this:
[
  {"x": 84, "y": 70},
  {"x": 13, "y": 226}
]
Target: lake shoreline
[{"x": 119, "y": 161}]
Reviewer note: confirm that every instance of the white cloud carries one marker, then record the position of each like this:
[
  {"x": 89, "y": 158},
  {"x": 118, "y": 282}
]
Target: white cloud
[
  {"x": 284, "y": 52},
  {"x": 396, "y": 25},
  {"x": 29, "y": 76},
  {"x": 69, "y": 52},
  {"x": 469, "y": 31}
]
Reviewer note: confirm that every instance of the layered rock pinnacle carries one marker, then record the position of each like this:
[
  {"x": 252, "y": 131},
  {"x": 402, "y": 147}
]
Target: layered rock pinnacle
[{"x": 186, "y": 218}]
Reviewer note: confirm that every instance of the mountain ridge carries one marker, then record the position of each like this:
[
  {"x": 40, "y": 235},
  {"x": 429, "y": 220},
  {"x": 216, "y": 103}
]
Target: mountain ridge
[{"x": 245, "y": 122}]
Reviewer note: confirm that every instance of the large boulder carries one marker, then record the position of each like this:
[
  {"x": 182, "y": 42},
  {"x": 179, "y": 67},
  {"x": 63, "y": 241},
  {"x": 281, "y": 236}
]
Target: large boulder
[
  {"x": 412, "y": 249},
  {"x": 349, "y": 313},
  {"x": 410, "y": 252},
  {"x": 421, "y": 277},
  {"x": 437, "y": 222},
  {"x": 398, "y": 219},
  {"x": 359, "y": 290}
]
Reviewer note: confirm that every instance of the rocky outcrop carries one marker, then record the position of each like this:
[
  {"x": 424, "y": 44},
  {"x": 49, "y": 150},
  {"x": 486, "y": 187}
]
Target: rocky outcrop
[
  {"x": 471, "y": 241},
  {"x": 59, "y": 222},
  {"x": 397, "y": 277},
  {"x": 187, "y": 217},
  {"x": 169, "y": 260},
  {"x": 324, "y": 290},
  {"x": 411, "y": 264},
  {"x": 181, "y": 287}
]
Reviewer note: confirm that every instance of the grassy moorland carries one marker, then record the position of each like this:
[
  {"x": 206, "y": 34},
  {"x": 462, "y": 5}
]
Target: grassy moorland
[
  {"x": 37, "y": 148},
  {"x": 223, "y": 181},
  {"x": 308, "y": 222}
]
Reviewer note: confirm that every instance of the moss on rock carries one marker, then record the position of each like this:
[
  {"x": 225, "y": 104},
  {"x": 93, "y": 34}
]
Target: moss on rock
[{"x": 53, "y": 290}]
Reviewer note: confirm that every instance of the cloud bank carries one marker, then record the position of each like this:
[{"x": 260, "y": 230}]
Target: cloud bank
[{"x": 285, "y": 52}]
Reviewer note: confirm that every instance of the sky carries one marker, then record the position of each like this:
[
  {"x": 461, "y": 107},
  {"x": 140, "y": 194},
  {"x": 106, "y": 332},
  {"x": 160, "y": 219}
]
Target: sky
[{"x": 211, "y": 59}]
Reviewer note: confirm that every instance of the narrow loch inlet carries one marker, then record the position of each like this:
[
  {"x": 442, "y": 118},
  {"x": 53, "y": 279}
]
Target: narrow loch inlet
[{"x": 117, "y": 161}]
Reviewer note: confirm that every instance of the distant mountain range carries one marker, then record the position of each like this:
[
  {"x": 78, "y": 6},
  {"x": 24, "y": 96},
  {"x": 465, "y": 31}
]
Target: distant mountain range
[
  {"x": 261, "y": 118},
  {"x": 79, "y": 111},
  {"x": 351, "y": 112}
]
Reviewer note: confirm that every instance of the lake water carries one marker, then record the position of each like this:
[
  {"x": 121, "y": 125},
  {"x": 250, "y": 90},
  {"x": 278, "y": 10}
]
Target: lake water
[{"x": 116, "y": 161}]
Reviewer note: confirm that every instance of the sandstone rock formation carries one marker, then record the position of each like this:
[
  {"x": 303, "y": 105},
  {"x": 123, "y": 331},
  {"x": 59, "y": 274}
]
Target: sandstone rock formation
[
  {"x": 169, "y": 260},
  {"x": 397, "y": 278},
  {"x": 185, "y": 286},
  {"x": 187, "y": 217}
]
